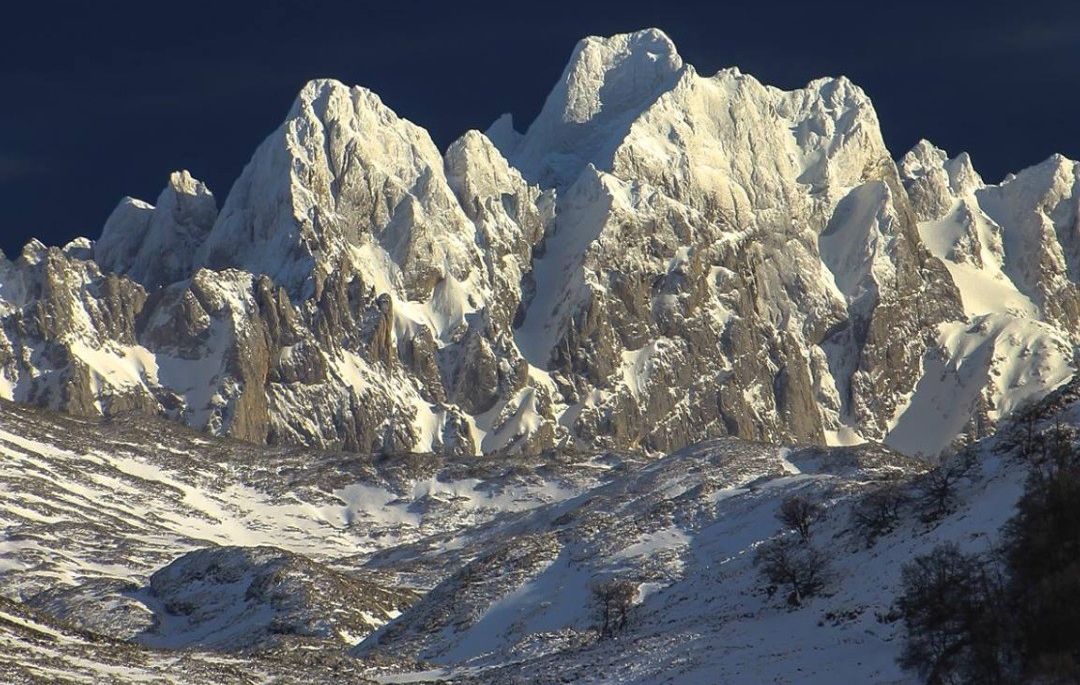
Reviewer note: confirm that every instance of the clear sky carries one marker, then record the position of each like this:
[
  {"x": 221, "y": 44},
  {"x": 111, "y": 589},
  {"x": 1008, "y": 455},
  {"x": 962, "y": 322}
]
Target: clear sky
[{"x": 103, "y": 99}]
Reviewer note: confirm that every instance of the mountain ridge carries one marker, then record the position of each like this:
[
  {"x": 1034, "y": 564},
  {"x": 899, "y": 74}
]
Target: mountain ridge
[{"x": 660, "y": 258}]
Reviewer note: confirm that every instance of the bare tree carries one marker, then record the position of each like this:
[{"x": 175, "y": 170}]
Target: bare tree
[
  {"x": 937, "y": 494},
  {"x": 1023, "y": 433},
  {"x": 799, "y": 513},
  {"x": 614, "y": 599},
  {"x": 937, "y": 489},
  {"x": 790, "y": 562},
  {"x": 1057, "y": 445},
  {"x": 956, "y": 612},
  {"x": 877, "y": 513}
]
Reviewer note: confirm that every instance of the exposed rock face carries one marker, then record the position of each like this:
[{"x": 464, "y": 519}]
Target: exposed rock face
[
  {"x": 57, "y": 312},
  {"x": 606, "y": 86},
  {"x": 344, "y": 173},
  {"x": 662, "y": 257},
  {"x": 711, "y": 194}
]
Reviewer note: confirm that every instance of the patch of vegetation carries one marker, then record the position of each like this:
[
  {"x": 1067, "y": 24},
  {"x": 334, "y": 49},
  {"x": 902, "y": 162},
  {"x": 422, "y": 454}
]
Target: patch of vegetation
[{"x": 1012, "y": 616}]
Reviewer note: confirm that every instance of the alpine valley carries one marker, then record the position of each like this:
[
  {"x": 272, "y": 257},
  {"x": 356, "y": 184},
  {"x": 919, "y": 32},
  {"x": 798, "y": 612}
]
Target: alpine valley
[{"x": 389, "y": 413}]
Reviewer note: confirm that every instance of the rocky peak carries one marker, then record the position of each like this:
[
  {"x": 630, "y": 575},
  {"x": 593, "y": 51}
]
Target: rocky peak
[
  {"x": 963, "y": 178},
  {"x": 1045, "y": 185},
  {"x": 79, "y": 248},
  {"x": 155, "y": 245},
  {"x": 343, "y": 172},
  {"x": 33, "y": 252},
  {"x": 934, "y": 181},
  {"x": 661, "y": 258},
  {"x": 475, "y": 167},
  {"x": 605, "y": 86},
  {"x": 924, "y": 158},
  {"x": 510, "y": 216},
  {"x": 502, "y": 134},
  {"x": 837, "y": 135}
]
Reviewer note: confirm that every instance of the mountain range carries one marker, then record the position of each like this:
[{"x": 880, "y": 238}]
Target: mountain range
[
  {"x": 662, "y": 257},
  {"x": 389, "y": 413}
]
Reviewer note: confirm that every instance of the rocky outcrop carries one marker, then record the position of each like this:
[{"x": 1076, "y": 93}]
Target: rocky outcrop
[{"x": 235, "y": 598}]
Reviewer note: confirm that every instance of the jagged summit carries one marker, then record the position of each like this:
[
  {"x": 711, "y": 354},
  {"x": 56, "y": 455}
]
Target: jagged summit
[
  {"x": 503, "y": 135},
  {"x": 607, "y": 83},
  {"x": 33, "y": 251},
  {"x": 343, "y": 172},
  {"x": 661, "y": 257},
  {"x": 155, "y": 244},
  {"x": 935, "y": 180},
  {"x": 926, "y": 157},
  {"x": 611, "y": 85},
  {"x": 924, "y": 154}
]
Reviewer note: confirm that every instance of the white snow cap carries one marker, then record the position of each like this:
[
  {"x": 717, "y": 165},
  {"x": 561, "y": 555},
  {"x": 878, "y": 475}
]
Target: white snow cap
[
  {"x": 926, "y": 159},
  {"x": 925, "y": 156},
  {"x": 342, "y": 171},
  {"x": 606, "y": 85}
]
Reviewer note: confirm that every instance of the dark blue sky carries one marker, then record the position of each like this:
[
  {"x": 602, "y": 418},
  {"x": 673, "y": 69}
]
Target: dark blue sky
[{"x": 102, "y": 100}]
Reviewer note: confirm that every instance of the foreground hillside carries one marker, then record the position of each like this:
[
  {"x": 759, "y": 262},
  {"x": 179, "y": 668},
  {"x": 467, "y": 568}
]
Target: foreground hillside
[
  {"x": 122, "y": 542},
  {"x": 37, "y": 648},
  {"x": 685, "y": 531}
]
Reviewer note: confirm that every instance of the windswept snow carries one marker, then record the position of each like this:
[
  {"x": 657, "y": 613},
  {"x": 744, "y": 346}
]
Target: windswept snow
[{"x": 982, "y": 370}]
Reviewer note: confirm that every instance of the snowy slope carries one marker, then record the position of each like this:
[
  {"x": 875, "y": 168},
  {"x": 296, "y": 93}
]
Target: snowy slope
[
  {"x": 124, "y": 540},
  {"x": 38, "y": 648},
  {"x": 647, "y": 526},
  {"x": 92, "y": 513},
  {"x": 684, "y": 530},
  {"x": 1005, "y": 247}
]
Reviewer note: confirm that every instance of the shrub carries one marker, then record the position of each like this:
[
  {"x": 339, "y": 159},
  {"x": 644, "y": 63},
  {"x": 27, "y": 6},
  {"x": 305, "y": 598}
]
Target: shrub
[
  {"x": 1022, "y": 435},
  {"x": 1014, "y": 619},
  {"x": 937, "y": 489},
  {"x": 1056, "y": 450},
  {"x": 950, "y": 603},
  {"x": 1042, "y": 550},
  {"x": 878, "y": 512}
]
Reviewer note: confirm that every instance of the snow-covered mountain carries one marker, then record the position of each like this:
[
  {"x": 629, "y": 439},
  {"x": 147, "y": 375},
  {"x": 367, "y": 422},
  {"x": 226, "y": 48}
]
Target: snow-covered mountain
[
  {"x": 660, "y": 258},
  {"x": 393, "y": 414}
]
